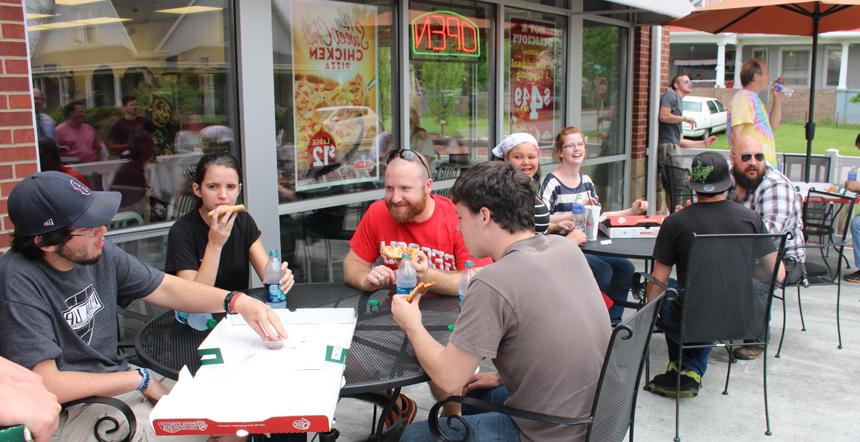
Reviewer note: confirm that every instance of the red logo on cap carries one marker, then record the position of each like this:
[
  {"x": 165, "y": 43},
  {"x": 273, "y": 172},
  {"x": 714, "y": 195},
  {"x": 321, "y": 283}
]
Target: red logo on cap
[{"x": 84, "y": 190}]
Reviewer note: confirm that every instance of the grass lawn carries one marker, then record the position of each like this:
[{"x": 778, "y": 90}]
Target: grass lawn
[{"x": 791, "y": 138}]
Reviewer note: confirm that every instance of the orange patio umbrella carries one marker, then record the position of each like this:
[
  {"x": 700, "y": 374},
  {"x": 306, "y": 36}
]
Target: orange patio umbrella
[{"x": 779, "y": 17}]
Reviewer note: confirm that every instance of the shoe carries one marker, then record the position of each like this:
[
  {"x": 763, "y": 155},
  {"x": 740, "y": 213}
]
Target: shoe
[
  {"x": 852, "y": 277},
  {"x": 407, "y": 409},
  {"x": 664, "y": 384},
  {"x": 746, "y": 353}
]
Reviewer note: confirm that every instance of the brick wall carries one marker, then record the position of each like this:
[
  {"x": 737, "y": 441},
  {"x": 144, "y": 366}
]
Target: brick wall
[
  {"x": 17, "y": 143},
  {"x": 794, "y": 109}
]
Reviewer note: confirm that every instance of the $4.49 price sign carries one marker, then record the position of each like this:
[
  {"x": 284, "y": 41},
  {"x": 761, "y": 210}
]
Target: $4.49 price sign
[
  {"x": 533, "y": 99},
  {"x": 533, "y": 65}
]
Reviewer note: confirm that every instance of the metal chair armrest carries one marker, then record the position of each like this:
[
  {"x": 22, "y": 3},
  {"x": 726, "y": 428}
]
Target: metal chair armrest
[
  {"x": 111, "y": 402},
  {"x": 433, "y": 420}
]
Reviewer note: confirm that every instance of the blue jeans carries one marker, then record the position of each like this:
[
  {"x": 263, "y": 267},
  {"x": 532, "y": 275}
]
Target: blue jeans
[
  {"x": 855, "y": 239},
  {"x": 613, "y": 276},
  {"x": 695, "y": 359},
  {"x": 483, "y": 427}
]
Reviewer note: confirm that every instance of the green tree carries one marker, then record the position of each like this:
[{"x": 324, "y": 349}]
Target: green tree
[
  {"x": 384, "y": 73},
  {"x": 443, "y": 85}
]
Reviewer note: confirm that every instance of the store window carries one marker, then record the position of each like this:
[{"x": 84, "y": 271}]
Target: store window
[
  {"x": 535, "y": 67},
  {"x": 604, "y": 88},
  {"x": 333, "y": 95},
  {"x": 451, "y": 79},
  {"x": 795, "y": 67},
  {"x": 175, "y": 60}
]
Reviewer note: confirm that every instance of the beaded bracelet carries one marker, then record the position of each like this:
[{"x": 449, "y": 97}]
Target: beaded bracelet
[
  {"x": 145, "y": 377},
  {"x": 230, "y": 302}
]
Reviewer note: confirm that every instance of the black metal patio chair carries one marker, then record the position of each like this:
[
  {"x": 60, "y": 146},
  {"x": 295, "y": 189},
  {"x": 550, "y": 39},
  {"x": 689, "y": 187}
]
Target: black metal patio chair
[
  {"x": 614, "y": 406},
  {"x": 99, "y": 434},
  {"x": 826, "y": 224},
  {"x": 718, "y": 305}
]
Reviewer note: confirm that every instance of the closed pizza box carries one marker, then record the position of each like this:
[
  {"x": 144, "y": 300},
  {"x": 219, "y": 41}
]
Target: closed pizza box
[
  {"x": 638, "y": 226},
  {"x": 243, "y": 387}
]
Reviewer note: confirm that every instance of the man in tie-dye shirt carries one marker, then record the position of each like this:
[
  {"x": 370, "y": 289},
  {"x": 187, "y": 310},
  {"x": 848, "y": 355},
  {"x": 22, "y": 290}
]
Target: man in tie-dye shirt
[{"x": 747, "y": 114}]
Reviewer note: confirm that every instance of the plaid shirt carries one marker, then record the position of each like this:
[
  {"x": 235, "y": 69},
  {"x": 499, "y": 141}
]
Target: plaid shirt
[{"x": 779, "y": 206}]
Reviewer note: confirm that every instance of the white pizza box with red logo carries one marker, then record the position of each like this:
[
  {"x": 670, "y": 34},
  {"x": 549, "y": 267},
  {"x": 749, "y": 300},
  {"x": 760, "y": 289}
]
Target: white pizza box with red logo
[
  {"x": 243, "y": 386},
  {"x": 637, "y": 226}
]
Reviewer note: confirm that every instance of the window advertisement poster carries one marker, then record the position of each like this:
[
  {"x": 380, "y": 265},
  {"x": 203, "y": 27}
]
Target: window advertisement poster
[
  {"x": 533, "y": 55},
  {"x": 334, "y": 48}
]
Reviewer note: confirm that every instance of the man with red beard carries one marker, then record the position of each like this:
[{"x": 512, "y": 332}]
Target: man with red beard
[
  {"x": 409, "y": 216},
  {"x": 772, "y": 196}
]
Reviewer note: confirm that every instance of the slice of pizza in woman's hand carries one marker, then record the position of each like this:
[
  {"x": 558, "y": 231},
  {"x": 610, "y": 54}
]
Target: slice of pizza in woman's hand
[{"x": 220, "y": 210}]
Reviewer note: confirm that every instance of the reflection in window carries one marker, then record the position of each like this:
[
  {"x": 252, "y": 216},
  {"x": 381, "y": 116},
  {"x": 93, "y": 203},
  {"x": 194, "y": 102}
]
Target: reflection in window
[
  {"x": 604, "y": 81},
  {"x": 110, "y": 71},
  {"x": 450, "y": 81},
  {"x": 834, "y": 62},
  {"x": 609, "y": 180},
  {"x": 333, "y": 98}
]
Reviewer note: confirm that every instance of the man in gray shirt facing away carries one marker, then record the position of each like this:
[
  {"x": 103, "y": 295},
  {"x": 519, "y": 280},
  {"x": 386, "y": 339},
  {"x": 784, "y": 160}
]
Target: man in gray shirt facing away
[{"x": 536, "y": 312}]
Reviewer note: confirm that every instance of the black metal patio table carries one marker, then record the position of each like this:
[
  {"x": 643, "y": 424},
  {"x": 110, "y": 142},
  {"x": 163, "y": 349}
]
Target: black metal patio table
[
  {"x": 380, "y": 357},
  {"x": 630, "y": 248}
]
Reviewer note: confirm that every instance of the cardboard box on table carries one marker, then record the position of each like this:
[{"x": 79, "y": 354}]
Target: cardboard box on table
[
  {"x": 638, "y": 226},
  {"x": 242, "y": 386}
]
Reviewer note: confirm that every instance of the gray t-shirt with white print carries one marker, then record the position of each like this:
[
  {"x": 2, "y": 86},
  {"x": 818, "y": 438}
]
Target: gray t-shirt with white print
[{"x": 69, "y": 316}]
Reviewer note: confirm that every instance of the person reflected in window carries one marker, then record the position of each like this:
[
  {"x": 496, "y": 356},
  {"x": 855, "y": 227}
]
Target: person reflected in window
[
  {"x": 214, "y": 248},
  {"x": 45, "y": 125},
  {"x": 566, "y": 186},
  {"x": 419, "y": 139},
  {"x": 188, "y": 138},
  {"x": 49, "y": 159},
  {"x": 122, "y": 130},
  {"x": 77, "y": 140},
  {"x": 130, "y": 179}
]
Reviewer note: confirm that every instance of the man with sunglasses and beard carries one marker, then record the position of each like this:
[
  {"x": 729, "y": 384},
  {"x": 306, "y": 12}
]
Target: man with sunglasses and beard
[
  {"x": 772, "y": 196},
  {"x": 411, "y": 216}
]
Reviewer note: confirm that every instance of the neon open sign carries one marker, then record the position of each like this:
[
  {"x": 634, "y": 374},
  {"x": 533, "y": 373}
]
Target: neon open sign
[{"x": 445, "y": 33}]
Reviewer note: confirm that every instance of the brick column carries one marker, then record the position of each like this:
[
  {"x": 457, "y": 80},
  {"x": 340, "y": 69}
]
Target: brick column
[{"x": 17, "y": 135}]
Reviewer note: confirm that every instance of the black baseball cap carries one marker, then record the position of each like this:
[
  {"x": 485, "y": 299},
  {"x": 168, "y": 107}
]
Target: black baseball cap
[
  {"x": 710, "y": 173},
  {"x": 48, "y": 201}
]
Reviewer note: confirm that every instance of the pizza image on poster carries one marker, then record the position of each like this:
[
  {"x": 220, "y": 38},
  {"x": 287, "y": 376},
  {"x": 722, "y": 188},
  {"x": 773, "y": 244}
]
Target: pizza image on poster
[
  {"x": 532, "y": 85},
  {"x": 335, "y": 92}
]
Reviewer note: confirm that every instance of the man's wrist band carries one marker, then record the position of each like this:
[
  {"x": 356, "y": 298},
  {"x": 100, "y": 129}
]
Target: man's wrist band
[
  {"x": 230, "y": 302},
  {"x": 145, "y": 377}
]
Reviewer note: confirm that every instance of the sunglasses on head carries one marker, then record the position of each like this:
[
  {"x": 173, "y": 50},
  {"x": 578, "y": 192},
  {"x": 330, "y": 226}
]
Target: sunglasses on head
[
  {"x": 746, "y": 157},
  {"x": 408, "y": 155}
]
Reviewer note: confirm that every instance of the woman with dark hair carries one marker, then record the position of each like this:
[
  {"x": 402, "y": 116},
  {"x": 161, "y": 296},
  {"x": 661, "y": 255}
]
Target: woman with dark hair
[
  {"x": 130, "y": 179},
  {"x": 212, "y": 246}
]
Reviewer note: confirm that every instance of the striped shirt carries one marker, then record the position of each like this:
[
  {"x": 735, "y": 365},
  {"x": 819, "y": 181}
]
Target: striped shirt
[
  {"x": 561, "y": 198},
  {"x": 779, "y": 206},
  {"x": 541, "y": 217}
]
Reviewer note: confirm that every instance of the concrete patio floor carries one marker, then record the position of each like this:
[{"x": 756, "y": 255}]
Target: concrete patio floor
[{"x": 813, "y": 387}]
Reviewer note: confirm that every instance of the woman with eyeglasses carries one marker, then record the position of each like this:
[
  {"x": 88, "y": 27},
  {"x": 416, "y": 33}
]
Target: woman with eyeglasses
[
  {"x": 566, "y": 186},
  {"x": 216, "y": 249}
]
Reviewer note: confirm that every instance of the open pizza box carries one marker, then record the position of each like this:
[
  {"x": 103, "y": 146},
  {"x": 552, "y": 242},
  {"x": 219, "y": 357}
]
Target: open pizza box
[
  {"x": 243, "y": 387},
  {"x": 638, "y": 226}
]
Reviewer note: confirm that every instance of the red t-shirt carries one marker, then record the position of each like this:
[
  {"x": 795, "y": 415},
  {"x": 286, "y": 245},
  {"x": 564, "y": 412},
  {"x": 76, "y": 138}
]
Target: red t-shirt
[{"x": 437, "y": 237}]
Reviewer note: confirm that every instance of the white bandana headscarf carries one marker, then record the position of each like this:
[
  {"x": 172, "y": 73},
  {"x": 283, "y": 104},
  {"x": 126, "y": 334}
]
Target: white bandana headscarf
[{"x": 511, "y": 141}]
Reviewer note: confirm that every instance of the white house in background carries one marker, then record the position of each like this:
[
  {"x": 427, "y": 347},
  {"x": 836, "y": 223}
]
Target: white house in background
[{"x": 711, "y": 61}]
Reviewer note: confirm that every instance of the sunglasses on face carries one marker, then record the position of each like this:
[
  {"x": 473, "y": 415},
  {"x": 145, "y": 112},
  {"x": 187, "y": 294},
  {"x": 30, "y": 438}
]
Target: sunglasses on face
[
  {"x": 746, "y": 157},
  {"x": 408, "y": 155}
]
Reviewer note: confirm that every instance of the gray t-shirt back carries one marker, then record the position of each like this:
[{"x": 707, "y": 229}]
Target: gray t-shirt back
[
  {"x": 69, "y": 316},
  {"x": 670, "y": 132},
  {"x": 537, "y": 312}
]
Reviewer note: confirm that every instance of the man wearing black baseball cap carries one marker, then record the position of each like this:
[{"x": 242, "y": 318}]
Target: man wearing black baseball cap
[
  {"x": 59, "y": 288},
  {"x": 711, "y": 214}
]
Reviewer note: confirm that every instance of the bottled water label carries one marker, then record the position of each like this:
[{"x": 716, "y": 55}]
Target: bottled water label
[{"x": 274, "y": 294}]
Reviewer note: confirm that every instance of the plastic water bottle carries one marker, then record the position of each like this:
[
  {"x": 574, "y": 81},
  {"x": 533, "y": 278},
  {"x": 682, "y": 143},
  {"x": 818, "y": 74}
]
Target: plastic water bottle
[
  {"x": 786, "y": 91},
  {"x": 405, "y": 278},
  {"x": 197, "y": 321},
  {"x": 272, "y": 282},
  {"x": 579, "y": 216},
  {"x": 465, "y": 279},
  {"x": 852, "y": 175}
]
